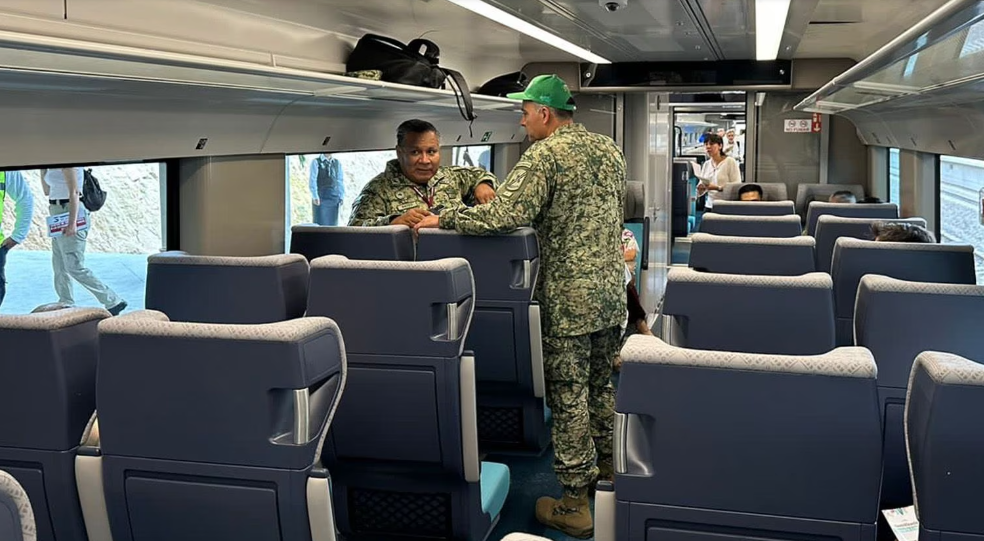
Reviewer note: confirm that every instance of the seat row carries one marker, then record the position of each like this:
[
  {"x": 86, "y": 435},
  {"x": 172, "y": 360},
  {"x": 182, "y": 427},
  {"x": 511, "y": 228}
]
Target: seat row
[
  {"x": 777, "y": 219},
  {"x": 782, "y": 256},
  {"x": 784, "y": 447},
  {"x": 806, "y": 193},
  {"x": 796, "y": 316},
  {"x": 505, "y": 332},
  {"x": 208, "y": 431}
]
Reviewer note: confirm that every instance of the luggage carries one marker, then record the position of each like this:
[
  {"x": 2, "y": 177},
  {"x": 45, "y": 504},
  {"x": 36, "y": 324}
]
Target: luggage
[
  {"x": 505, "y": 84},
  {"x": 415, "y": 63}
]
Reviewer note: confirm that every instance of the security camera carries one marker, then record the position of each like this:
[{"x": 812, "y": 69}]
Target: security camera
[{"x": 611, "y": 6}]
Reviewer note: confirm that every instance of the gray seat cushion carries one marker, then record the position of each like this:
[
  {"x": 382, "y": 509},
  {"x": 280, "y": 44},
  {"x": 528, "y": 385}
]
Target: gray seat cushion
[
  {"x": 854, "y": 258},
  {"x": 388, "y": 243},
  {"x": 753, "y": 314},
  {"x": 805, "y": 193},
  {"x": 886, "y": 211},
  {"x": 754, "y": 208},
  {"x": 751, "y": 226},
  {"x": 233, "y": 290},
  {"x": 752, "y": 255},
  {"x": 702, "y": 430},
  {"x": 945, "y": 444},
  {"x": 771, "y": 191},
  {"x": 830, "y": 228}
]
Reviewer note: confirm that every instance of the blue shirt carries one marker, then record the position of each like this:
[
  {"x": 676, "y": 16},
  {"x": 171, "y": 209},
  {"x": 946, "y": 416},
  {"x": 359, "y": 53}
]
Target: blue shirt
[
  {"x": 334, "y": 172},
  {"x": 18, "y": 191}
]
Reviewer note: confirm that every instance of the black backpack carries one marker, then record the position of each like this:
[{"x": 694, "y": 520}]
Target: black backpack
[
  {"x": 414, "y": 64},
  {"x": 505, "y": 84},
  {"x": 93, "y": 196}
]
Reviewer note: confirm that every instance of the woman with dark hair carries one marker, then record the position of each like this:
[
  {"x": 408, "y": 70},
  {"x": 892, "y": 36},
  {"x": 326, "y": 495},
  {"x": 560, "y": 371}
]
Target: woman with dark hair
[{"x": 718, "y": 170}]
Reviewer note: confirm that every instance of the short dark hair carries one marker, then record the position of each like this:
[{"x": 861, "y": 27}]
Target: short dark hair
[
  {"x": 414, "y": 125},
  {"x": 872, "y": 199},
  {"x": 561, "y": 114},
  {"x": 715, "y": 139},
  {"x": 843, "y": 193},
  {"x": 747, "y": 188},
  {"x": 901, "y": 232}
]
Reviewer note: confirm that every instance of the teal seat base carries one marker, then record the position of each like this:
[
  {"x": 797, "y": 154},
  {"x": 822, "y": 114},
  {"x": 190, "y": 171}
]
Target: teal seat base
[{"x": 495, "y": 487}]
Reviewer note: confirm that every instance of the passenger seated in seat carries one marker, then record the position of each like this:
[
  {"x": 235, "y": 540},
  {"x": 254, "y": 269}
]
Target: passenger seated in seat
[
  {"x": 901, "y": 232},
  {"x": 843, "y": 196},
  {"x": 750, "y": 192},
  {"x": 635, "y": 322},
  {"x": 415, "y": 183}
]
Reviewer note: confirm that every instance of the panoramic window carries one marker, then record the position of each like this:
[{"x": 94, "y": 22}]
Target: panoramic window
[
  {"x": 105, "y": 262},
  {"x": 322, "y": 187},
  {"x": 473, "y": 156},
  {"x": 894, "y": 187},
  {"x": 961, "y": 186}
]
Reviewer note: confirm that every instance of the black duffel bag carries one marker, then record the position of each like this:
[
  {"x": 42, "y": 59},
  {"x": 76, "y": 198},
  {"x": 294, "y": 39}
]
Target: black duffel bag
[
  {"x": 505, "y": 84},
  {"x": 415, "y": 63}
]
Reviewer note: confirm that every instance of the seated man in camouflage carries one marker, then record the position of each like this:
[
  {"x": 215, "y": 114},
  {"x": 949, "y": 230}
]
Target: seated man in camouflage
[{"x": 415, "y": 183}]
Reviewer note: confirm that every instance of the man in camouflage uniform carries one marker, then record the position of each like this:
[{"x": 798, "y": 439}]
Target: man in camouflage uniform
[
  {"x": 569, "y": 185},
  {"x": 414, "y": 183}
]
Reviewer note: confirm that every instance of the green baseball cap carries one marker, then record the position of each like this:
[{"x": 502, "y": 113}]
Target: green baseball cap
[{"x": 548, "y": 90}]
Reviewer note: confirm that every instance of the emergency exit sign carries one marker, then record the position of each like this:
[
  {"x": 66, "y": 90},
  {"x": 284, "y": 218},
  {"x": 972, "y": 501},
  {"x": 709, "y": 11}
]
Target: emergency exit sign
[{"x": 486, "y": 137}]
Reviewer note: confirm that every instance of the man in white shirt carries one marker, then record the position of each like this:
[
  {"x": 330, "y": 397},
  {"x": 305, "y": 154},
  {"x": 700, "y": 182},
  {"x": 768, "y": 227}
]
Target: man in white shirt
[{"x": 12, "y": 185}]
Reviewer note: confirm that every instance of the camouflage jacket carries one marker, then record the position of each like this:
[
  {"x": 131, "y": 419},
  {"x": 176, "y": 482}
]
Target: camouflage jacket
[
  {"x": 391, "y": 193},
  {"x": 570, "y": 188}
]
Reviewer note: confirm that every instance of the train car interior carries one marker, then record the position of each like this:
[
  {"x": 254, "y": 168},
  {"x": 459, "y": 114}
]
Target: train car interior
[{"x": 221, "y": 319}]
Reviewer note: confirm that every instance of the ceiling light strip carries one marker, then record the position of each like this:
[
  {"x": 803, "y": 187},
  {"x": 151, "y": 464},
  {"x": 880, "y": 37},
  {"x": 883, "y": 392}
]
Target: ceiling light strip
[
  {"x": 507, "y": 19},
  {"x": 770, "y": 22}
]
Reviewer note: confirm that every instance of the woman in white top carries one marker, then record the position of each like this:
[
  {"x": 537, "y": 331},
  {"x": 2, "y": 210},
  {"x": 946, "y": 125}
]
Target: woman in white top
[
  {"x": 718, "y": 170},
  {"x": 63, "y": 188}
]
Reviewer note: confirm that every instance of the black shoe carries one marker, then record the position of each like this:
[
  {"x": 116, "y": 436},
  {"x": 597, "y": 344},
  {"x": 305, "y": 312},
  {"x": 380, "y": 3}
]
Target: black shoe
[{"x": 115, "y": 310}]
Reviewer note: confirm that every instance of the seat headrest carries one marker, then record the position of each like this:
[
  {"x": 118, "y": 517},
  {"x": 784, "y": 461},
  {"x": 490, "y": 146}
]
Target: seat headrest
[
  {"x": 754, "y": 208},
  {"x": 949, "y": 369},
  {"x": 505, "y": 266},
  {"x": 771, "y": 191},
  {"x": 813, "y": 280},
  {"x": 434, "y": 300},
  {"x": 635, "y": 200},
  {"x": 816, "y": 209},
  {"x": 707, "y": 238},
  {"x": 884, "y": 284},
  {"x": 50, "y": 321},
  {"x": 850, "y": 243},
  {"x": 18, "y": 504},
  {"x": 851, "y": 362},
  {"x": 183, "y": 258},
  {"x": 834, "y": 220},
  {"x": 751, "y": 226},
  {"x": 389, "y": 242},
  {"x": 218, "y": 393}
]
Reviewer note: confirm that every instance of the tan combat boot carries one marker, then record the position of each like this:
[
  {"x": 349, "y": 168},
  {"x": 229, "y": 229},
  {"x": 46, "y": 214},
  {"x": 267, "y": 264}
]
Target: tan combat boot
[{"x": 571, "y": 515}]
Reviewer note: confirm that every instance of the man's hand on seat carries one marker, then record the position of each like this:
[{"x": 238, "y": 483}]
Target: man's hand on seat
[
  {"x": 411, "y": 217},
  {"x": 484, "y": 193},
  {"x": 428, "y": 222}
]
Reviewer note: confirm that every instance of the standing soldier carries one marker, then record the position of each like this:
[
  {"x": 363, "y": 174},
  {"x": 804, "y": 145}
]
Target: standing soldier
[
  {"x": 327, "y": 183},
  {"x": 12, "y": 184},
  {"x": 569, "y": 185}
]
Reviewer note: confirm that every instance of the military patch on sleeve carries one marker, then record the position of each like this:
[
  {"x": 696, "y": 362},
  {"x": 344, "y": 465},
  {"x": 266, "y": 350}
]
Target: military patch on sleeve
[{"x": 516, "y": 182}]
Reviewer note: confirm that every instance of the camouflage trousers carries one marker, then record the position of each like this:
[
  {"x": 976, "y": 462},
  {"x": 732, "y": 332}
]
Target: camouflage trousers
[{"x": 578, "y": 372}]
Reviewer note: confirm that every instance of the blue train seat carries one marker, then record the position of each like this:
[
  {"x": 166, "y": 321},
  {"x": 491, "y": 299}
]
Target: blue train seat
[
  {"x": 752, "y": 255},
  {"x": 233, "y": 290},
  {"x": 211, "y": 431},
  {"x": 504, "y": 334},
  {"x": 713, "y": 446},
  {"x": 403, "y": 449},
  {"x": 887, "y": 321},
  {"x": 389, "y": 242},
  {"x": 47, "y": 395}
]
